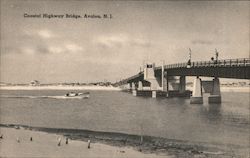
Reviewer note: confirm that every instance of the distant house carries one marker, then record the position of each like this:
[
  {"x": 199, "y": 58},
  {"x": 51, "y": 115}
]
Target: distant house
[
  {"x": 34, "y": 83},
  {"x": 3, "y": 84}
]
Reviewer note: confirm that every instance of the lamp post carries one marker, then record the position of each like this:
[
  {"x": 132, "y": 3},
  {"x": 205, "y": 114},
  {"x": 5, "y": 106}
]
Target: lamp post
[
  {"x": 189, "y": 60},
  {"x": 216, "y": 55},
  {"x": 190, "y": 54},
  {"x": 162, "y": 75}
]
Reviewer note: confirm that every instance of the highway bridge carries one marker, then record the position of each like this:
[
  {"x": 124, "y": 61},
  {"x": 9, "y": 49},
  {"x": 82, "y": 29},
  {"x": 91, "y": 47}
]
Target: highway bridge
[{"x": 157, "y": 79}]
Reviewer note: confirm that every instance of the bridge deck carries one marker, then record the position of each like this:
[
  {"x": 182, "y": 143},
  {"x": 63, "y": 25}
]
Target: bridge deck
[{"x": 230, "y": 68}]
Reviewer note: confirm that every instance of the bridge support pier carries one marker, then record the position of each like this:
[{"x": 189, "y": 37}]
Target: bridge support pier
[
  {"x": 130, "y": 86},
  {"x": 140, "y": 86},
  {"x": 182, "y": 85},
  {"x": 215, "y": 95},
  {"x": 133, "y": 86},
  {"x": 197, "y": 97},
  {"x": 134, "y": 92},
  {"x": 153, "y": 94}
]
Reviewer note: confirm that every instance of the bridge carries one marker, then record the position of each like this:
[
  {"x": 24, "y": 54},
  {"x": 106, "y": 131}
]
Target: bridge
[{"x": 161, "y": 81}]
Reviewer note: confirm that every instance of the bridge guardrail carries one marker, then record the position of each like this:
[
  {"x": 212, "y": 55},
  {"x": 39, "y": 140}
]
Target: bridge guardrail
[
  {"x": 227, "y": 62},
  {"x": 215, "y": 63}
]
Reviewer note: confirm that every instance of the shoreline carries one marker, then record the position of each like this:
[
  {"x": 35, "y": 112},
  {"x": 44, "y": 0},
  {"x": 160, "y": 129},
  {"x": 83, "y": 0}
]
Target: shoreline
[
  {"x": 17, "y": 142},
  {"x": 141, "y": 144},
  {"x": 229, "y": 89},
  {"x": 109, "y": 88},
  {"x": 104, "y": 88}
]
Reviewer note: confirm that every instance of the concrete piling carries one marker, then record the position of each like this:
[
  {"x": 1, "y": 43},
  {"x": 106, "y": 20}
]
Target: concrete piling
[
  {"x": 215, "y": 95},
  {"x": 197, "y": 97},
  {"x": 153, "y": 94}
]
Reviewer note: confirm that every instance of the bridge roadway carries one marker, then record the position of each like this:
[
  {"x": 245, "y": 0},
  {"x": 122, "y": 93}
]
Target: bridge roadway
[{"x": 230, "y": 68}]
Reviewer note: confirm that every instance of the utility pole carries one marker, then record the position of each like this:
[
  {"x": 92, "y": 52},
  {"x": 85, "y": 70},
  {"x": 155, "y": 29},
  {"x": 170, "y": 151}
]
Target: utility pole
[
  {"x": 162, "y": 74},
  {"x": 216, "y": 54},
  {"x": 190, "y": 54}
]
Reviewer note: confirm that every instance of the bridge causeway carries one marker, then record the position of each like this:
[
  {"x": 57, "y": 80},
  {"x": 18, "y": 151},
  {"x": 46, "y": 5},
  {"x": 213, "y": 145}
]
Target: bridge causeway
[{"x": 159, "y": 81}]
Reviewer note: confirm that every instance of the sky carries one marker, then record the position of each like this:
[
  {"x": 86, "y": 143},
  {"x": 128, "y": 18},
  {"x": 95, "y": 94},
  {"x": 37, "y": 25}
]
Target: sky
[{"x": 92, "y": 49}]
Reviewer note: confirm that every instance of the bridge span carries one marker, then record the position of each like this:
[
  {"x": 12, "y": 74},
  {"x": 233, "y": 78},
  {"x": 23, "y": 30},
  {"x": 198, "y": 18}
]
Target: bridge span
[{"x": 159, "y": 81}]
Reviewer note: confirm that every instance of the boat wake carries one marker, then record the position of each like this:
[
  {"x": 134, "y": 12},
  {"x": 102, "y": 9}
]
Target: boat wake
[{"x": 41, "y": 97}]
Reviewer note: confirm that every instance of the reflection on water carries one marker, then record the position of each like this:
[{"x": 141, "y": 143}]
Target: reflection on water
[{"x": 212, "y": 112}]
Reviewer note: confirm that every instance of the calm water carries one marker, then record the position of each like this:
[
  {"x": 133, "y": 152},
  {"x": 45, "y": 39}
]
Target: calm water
[{"x": 113, "y": 111}]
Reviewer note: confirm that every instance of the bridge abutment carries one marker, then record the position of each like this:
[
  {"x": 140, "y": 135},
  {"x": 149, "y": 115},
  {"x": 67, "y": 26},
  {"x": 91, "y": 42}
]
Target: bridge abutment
[
  {"x": 197, "y": 97},
  {"x": 149, "y": 76}
]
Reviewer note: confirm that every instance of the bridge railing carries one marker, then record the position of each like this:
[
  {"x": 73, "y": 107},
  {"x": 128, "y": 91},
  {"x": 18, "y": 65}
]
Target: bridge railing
[
  {"x": 214, "y": 63},
  {"x": 218, "y": 63}
]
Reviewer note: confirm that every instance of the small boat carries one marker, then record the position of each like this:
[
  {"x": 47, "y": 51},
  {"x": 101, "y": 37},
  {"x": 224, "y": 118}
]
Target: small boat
[{"x": 77, "y": 95}]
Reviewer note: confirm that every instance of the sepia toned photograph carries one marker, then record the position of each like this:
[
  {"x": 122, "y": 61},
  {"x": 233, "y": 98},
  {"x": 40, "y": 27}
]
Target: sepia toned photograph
[{"x": 124, "y": 79}]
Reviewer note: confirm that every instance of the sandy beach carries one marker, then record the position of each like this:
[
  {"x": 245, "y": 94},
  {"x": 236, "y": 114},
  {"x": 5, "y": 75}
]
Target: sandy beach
[
  {"x": 16, "y": 142},
  {"x": 60, "y": 88},
  {"x": 245, "y": 89},
  {"x": 46, "y": 145}
]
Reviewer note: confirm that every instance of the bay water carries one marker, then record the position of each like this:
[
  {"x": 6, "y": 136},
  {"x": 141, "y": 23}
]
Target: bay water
[{"x": 115, "y": 111}]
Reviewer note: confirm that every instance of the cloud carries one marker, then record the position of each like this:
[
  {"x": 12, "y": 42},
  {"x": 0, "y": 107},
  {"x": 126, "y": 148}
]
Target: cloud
[
  {"x": 63, "y": 48},
  {"x": 46, "y": 34},
  {"x": 112, "y": 41},
  {"x": 28, "y": 33},
  {"x": 73, "y": 47},
  {"x": 27, "y": 50},
  {"x": 43, "y": 33},
  {"x": 118, "y": 40},
  {"x": 42, "y": 49},
  {"x": 44, "y": 41},
  {"x": 203, "y": 42},
  {"x": 140, "y": 42},
  {"x": 45, "y": 48},
  {"x": 68, "y": 48},
  {"x": 55, "y": 49}
]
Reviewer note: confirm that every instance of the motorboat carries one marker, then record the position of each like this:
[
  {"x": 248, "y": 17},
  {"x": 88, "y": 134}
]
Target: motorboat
[{"x": 78, "y": 95}]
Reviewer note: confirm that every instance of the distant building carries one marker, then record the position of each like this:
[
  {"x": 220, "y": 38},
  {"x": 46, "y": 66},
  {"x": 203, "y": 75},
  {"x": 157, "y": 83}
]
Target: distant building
[
  {"x": 3, "y": 84},
  {"x": 34, "y": 83}
]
